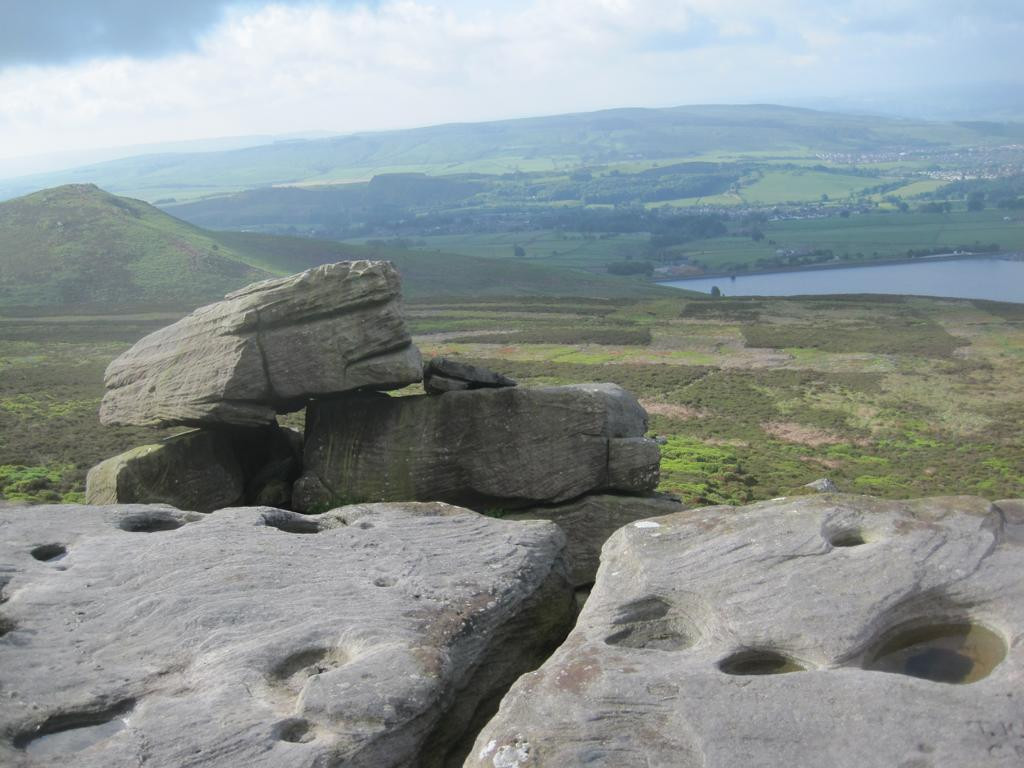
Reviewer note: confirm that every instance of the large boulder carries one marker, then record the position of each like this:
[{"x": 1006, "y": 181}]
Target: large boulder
[
  {"x": 589, "y": 521},
  {"x": 369, "y": 636},
  {"x": 202, "y": 470},
  {"x": 267, "y": 348},
  {"x": 485, "y": 448},
  {"x": 197, "y": 470},
  {"x": 838, "y": 630}
]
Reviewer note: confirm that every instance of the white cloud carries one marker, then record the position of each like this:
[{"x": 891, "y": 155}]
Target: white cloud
[{"x": 287, "y": 67}]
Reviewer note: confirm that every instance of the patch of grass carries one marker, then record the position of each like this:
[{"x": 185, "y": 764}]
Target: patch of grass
[
  {"x": 923, "y": 338},
  {"x": 701, "y": 473},
  {"x": 586, "y": 335}
]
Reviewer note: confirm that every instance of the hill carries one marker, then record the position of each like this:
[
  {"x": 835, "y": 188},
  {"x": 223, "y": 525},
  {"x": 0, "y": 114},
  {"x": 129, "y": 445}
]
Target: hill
[
  {"x": 79, "y": 245},
  {"x": 431, "y": 274},
  {"x": 79, "y": 248},
  {"x": 540, "y": 143}
]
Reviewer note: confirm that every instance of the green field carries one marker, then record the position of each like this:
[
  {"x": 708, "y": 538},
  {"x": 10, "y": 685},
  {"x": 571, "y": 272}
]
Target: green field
[
  {"x": 862, "y": 236},
  {"x": 891, "y": 396},
  {"x": 859, "y": 237},
  {"x": 805, "y": 185},
  {"x": 561, "y": 249}
]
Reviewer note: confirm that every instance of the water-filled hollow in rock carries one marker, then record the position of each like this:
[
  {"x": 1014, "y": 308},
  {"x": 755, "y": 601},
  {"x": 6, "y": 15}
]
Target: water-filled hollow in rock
[
  {"x": 150, "y": 522},
  {"x": 68, "y": 733},
  {"x": 952, "y": 652},
  {"x": 49, "y": 552},
  {"x": 759, "y": 662}
]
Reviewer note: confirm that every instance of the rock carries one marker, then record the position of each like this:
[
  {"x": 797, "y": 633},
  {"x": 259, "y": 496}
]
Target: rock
[
  {"x": 202, "y": 470},
  {"x": 588, "y": 522},
  {"x": 442, "y": 374},
  {"x": 634, "y": 463},
  {"x": 823, "y": 485},
  {"x": 484, "y": 448},
  {"x": 367, "y": 636},
  {"x": 266, "y": 349},
  {"x": 197, "y": 470},
  {"x": 839, "y": 630},
  {"x": 271, "y": 458}
]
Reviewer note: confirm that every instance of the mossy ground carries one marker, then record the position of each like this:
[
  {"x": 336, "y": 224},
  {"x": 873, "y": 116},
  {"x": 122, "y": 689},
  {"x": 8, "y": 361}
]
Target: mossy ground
[{"x": 891, "y": 396}]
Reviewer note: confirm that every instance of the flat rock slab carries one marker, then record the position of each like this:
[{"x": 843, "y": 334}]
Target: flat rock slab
[
  {"x": 588, "y": 522},
  {"x": 266, "y": 348},
  {"x": 813, "y": 631},
  {"x": 497, "y": 448},
  {"x": 367, "y": 636},
  {"x": 443, "y": 374}
]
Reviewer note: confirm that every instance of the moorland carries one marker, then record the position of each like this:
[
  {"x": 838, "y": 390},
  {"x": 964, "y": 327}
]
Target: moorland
[
  {"x": 891, "y": 396},
  {"x": 530, "y": 247}
]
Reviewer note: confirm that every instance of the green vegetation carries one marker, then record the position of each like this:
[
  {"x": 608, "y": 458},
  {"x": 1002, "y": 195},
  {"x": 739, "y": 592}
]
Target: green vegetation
[
  {"x": 78, "y": 245},
  {"x": 51, "y": 381},
  {"x": 859, "y": 238},
  {"x": 80, "y": 249},
  {"x": 630, "y": 139},
  {"x": 887, "y": 395}
]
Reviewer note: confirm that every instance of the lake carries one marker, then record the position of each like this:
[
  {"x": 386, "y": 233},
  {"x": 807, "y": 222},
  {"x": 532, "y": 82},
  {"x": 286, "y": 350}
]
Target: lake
[{"x": 995, "y": 279}]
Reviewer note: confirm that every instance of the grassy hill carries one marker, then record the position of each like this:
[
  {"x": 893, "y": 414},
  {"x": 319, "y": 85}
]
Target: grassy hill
[
  {"x": 440, "y": 275},
  {"x": 531, "y": 144},
  {"x": 79, "y": 245},
  {"x": 79, "y": 248}
]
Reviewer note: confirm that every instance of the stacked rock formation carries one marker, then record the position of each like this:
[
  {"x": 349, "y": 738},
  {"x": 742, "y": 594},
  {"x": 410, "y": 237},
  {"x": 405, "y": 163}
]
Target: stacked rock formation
[
  {"x": 332, "y": 340},
  {"x": 267, "y": 349},
  {"x": 231, "y": 367},
  {"x": 820, "y": 630}
]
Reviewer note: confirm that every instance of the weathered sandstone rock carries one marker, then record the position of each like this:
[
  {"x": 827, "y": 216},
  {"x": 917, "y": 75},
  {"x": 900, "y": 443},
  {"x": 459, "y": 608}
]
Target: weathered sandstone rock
[
  {"x": 202, "y": 470},
  {"x": 367, "y": 636},
  {"x": 266, "y": 349},
  {"x": 822, "y": 485},
  {"x": 814, "y": 631},
  {"x": 589, "y": 521},
  {"x": 504, "y": 448},
  {"x": 442, "y": 374},
  {"x": 197, "y": 470}
]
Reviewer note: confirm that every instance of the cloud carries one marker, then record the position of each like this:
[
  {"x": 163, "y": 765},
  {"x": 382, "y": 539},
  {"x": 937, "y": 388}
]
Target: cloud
[
  {"x": 292, "y": 66},
  {"x": 61, "y": 31}
]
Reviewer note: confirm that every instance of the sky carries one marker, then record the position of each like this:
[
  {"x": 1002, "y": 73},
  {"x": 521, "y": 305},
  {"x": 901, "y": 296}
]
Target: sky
[{"x": 82, "y": 74}]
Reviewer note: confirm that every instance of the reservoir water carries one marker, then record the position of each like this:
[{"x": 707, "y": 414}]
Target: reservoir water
[{"x": 995, "y": 279}]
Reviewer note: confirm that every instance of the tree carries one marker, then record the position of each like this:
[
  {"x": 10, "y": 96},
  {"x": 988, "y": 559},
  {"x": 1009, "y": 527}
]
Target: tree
[
  {"x": 716, "y": 291},
  {"x": 519, "y": 251},
  {"x": 976, "y": 201}
]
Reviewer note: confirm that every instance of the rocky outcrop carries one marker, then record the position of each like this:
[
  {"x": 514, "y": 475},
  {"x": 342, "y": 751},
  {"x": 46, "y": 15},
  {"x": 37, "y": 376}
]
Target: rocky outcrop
[
  {"x": 202, "y": 470},
  {"x": 589, "y": 521},
  {"x": 819, "y": 630},
  {"x": 442, "y": 374},
  {"x": 487, "y": 448},
  {"x": 376, "y": 635},
  {"x": 266, "y": 349}
]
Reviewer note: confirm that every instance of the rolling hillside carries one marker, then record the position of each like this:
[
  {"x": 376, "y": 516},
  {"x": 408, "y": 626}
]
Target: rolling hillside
[
  {"x": 78, "y": 248},
  {"x": 541, "y": 143},
  {"x": 78, "y": 245}
]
